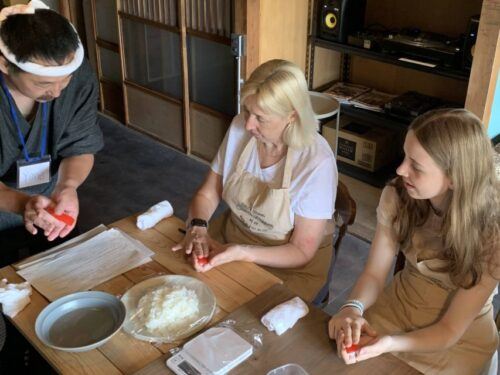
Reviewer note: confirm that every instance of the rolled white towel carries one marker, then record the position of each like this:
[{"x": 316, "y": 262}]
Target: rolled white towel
[
  {"x": 152, "y": 216},
  {"x": 14, "y": 297},
  {"x": 285, "y": 315}
]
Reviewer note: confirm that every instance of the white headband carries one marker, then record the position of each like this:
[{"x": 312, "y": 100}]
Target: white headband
[{"x": 37, "y": 69}]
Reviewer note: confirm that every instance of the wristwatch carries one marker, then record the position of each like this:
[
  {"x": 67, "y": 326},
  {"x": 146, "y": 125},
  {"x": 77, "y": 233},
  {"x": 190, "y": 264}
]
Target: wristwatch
[{"x": 196, "y": 222}]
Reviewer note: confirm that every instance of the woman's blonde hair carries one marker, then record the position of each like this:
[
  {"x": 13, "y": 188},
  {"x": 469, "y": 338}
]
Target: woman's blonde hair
[
  {"x": 457, "y": 141},
  {"x": 281, "y": 88}
]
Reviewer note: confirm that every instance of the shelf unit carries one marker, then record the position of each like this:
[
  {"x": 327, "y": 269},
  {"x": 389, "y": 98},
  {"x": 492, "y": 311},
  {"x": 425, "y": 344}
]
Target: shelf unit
[
  {"x": 389, "y": 59},
  {"x": 349, "y": 60}
]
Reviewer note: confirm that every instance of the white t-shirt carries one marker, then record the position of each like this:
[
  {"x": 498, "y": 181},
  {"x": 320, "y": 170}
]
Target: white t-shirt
[{"x": 314, "y": 172}]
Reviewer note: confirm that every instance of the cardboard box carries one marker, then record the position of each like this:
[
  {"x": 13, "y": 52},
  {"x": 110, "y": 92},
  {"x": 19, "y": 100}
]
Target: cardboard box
[{"x": 365, "y": 146}]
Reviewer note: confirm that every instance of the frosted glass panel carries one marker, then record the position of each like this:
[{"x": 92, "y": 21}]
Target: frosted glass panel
[
  {"x": 210, "y": 16},
  {"x": 152, "y": 57},
  {"x": 164, "y": 11},
  {"x": 110, "y": 65},
  {"x": 106, "y": 20},
  {"x": 212, "y": 74}
]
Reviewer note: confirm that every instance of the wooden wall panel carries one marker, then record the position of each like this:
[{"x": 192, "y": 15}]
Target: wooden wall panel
[
  {"x": 283, "y": 31},
  {"x": 156, "y": 116},
  {"x": 483, "y": 76},
  {"x": 492, "y": 87},
  {"x": 252, "y": 31},
  {"x": 207, "y": 133}
]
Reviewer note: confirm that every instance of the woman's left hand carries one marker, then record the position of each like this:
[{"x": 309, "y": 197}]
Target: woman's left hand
[
  {"x": 369, "y": 347},
  {"x": 219, "y": 254}
]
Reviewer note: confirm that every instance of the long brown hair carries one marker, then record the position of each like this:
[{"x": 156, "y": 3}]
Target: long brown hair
[{"x": 456, "y": 140}]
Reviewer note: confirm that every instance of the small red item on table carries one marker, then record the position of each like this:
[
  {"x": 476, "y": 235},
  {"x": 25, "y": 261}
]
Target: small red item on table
[
  {"x": 65, "y": 218},
  {"x": 202, "y": 261},
  {"x": 353, "y": 348}
]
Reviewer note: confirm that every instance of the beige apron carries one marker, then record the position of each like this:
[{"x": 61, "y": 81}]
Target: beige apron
[
  {"x": 418, "y": 296},
  {"x": 260, "y": 215}
]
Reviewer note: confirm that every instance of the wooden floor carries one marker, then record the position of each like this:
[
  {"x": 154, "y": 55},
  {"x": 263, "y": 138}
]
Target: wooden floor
[{"x": 366, "y": 197}]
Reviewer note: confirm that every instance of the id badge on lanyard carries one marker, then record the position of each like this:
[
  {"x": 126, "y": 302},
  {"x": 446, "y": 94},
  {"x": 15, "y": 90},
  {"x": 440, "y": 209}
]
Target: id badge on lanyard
[{"x": 31, "y": 171}]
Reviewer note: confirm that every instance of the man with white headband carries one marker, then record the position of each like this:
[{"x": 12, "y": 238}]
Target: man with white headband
[{"x": 48, "y": 122}]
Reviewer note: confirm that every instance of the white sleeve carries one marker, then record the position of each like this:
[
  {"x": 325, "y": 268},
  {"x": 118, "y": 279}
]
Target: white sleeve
[{"x": 317, "y": 195}]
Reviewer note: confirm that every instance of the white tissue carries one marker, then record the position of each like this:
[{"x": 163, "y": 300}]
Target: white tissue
[
  {"x": 152, "y": 216},
  {"x": 285, "y": 315},
  {"x": 14, "y": 297}
]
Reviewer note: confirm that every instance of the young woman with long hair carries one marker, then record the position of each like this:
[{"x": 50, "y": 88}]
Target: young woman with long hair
[{"x": 442, "y": 212}]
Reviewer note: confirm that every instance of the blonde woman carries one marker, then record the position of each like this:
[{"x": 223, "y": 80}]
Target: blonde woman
[
  {"x": 278, "y": 177},
  {"x": 443, "y": 213}
]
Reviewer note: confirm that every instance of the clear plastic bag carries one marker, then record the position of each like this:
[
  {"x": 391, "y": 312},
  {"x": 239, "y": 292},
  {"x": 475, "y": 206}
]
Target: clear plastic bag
[
  {"x": 145, "y": 317},
  {"x": 252, "y": 335},
  {"x": 218, "y": 349}
]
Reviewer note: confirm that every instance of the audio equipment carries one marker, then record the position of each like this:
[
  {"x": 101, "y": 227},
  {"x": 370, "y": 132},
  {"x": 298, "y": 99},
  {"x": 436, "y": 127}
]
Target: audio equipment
[
  {"x": 424, "y": 46},
  {"x": 470, "y": 42},
  {"x": 336, "y": 19}
]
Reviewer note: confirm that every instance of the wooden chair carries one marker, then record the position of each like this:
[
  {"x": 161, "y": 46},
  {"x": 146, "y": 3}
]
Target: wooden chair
[{"x": 345, "y": 213}]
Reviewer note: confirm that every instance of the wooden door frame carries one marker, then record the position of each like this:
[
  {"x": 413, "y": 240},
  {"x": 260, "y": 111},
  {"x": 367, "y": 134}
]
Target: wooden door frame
[{"x": 485, "y": 65}]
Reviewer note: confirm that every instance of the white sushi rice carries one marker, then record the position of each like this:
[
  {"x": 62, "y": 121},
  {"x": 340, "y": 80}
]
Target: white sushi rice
[{"x": 166, "y": 308}]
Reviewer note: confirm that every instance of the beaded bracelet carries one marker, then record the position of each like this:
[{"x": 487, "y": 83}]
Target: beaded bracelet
[{"x": 354, "y": 303}]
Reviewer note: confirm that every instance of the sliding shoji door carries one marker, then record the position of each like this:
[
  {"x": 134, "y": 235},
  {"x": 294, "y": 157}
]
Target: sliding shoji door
[
  {"x": 212, "y": 93},
  {"x": 178, "y": 71},
  {"x": 101, "y": 19},
  {"x": 153, "y": 74}
]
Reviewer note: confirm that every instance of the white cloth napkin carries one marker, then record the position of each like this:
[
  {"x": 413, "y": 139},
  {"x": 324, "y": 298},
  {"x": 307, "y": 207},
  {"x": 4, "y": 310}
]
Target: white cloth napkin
[
  {"x": 14, "y": 297},
  {"x": 152, "y": 216},
  {"x": 285, "y": 315}
]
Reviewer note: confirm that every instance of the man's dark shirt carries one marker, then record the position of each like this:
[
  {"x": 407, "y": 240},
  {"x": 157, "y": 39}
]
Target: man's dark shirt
[{"x": 72, "y": 130}]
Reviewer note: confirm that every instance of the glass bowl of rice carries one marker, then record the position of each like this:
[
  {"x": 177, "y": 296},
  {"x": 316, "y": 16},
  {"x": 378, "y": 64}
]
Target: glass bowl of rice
[{"x": 167, "y": 308}]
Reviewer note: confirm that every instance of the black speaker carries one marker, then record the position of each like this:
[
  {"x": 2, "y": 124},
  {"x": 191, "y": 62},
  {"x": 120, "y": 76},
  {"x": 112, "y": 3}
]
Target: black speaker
[
  {"x": 470, "y": 42},
  {"x": 339, "y": 18}
]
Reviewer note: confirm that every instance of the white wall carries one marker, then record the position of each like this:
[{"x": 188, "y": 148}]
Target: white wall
[{"x": 494, "y": 126}]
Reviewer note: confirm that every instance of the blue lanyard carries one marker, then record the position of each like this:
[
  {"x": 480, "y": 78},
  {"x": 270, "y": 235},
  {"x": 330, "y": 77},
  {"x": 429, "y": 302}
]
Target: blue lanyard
[{"x": 15, "y": 119}]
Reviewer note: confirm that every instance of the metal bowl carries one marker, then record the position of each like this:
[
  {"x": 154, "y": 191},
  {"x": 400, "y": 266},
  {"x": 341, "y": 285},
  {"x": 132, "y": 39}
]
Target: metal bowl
[{"x": 80, "y": 321}]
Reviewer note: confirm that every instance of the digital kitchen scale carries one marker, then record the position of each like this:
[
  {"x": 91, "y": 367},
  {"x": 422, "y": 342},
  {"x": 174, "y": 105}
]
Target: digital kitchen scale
[{"x": 215, "y": 352}]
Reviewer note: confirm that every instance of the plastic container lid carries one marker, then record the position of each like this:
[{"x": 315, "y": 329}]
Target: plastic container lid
[{"x": 288, "y": 369}]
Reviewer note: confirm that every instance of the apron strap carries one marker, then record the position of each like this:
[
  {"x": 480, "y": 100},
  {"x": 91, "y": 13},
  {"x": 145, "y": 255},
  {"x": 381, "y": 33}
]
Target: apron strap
[
  {"x": 245, "y": 155},
  {"x": 287, "y": 174}
]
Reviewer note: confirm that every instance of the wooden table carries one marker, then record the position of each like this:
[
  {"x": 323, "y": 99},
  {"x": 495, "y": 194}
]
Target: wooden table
[
  {"x": 244, "y": 292},
  {"x": 306, "y": 344}
]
